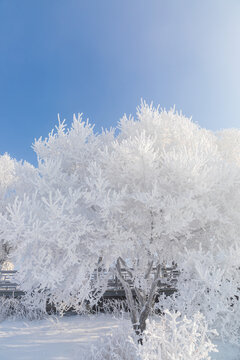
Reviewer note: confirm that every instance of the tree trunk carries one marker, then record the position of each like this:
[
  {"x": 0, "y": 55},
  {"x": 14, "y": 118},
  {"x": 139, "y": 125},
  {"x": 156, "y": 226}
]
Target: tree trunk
[{"x": 139, "y": 312}]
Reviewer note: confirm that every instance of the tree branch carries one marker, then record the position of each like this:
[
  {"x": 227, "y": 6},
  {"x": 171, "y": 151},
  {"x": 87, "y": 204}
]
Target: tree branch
[
  {"x": 149, "y": 270},
  {"x": 127, "y": 268},
  {"x": 129, "y": 296}
]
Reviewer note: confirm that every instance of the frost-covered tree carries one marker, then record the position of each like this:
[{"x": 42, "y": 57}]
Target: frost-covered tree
[
  {"x": 209, "y": 278},
  {"x": 98, "y": 204},
  {"x": 162, "y": 186},
  {"x": 228, "y": 141},
  {"x": 51, "y": 226},
  {"x": 6, "y": 180},
  {"x": 12, "y": 174}
]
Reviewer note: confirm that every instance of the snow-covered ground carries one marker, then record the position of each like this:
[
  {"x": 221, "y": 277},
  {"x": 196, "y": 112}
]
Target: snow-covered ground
[
  {"x": 54, "y": 338},
  {"x": 65, "y": 338}
]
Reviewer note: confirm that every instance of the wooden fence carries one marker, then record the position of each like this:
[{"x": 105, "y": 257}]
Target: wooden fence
[{"x": 167, "y": 283}]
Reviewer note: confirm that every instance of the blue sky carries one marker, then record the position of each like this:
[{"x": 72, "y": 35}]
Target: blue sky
[{"x": 100, "y": 57}]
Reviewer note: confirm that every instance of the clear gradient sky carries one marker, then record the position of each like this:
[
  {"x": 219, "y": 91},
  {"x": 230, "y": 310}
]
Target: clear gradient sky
[{"x": 100, "y": 57}]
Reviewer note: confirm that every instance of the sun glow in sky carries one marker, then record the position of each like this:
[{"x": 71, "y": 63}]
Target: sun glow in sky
[{"x": 102, "y": 57}]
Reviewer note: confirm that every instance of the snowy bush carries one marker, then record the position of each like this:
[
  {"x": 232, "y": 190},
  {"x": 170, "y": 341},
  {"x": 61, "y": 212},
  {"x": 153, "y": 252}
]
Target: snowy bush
[
  {"x": 171, "y": 338},
  {"x": 209, "y": 283},
  {"x": 12, "y": 308},
  {"x": 120, "y": 345},
  {"x": 177, "y": 338},
  {"x": 115, "y": 307}
]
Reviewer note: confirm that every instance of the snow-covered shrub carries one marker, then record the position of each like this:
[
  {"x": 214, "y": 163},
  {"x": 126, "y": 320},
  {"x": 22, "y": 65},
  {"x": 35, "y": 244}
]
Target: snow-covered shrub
[
  {"x": 209, "y": 283},
  {"x": 115, "y": 307},
  {"x": 171, "y": 337},
  {"x": 119, "y": 345},
  {"x": 13, "y": 308},
  {"x": 177, "y": 338}
]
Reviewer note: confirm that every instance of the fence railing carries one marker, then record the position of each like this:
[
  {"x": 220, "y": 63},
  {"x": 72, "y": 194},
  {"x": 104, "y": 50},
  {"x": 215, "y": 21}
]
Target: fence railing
[
  {"x": 167, "y": 281},
  {"x": 7, "y": 280}
]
